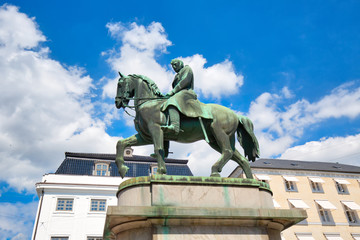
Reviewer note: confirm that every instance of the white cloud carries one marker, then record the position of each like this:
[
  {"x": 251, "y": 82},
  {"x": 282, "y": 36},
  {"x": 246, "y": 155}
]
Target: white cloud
[
  {"x": 45, "y": 108},
  {"x": 286, "y": 92},
  {"x": 332, "y": 149},
  {"x": 215, "y": 81},
  {"x": 343, "y": 101},
  {"x": 18, "y": 32},
  {"x": 138, "y": 52},
  {"x": 20, "y": 215},
  {"x": 278, "y": 128}
]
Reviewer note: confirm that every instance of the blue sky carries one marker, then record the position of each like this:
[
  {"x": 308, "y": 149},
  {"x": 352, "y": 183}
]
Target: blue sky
[{"x": 292, "y": 67}]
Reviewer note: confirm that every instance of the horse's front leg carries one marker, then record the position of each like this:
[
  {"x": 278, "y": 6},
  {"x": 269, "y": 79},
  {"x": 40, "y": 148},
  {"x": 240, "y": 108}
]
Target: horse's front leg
[
  {"x": 158, "y": 140},
  {"x": 135, "y": 140}
]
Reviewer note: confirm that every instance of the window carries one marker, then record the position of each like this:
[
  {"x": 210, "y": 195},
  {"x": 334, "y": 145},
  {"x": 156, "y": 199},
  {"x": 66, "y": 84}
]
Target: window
[
  {"x": 304, "y": 236},
  {"x": 263, "y": 178},
  {"x": 316, "y": 186},
  {"x": 98, "y": 205},
  {"x": 290, "y": 183},
  {"x": 350, "y": 212},
  {"x": 325, "y": 214},
  {"x": 351, "y": 215},
  {"x": 341, "y": 186},
  {"x": 298, "y": 203},
  {"x": 101, "y": 169},
  {"x": 64, "y": 204},
  {"x": 342, "y": 189},
  {"x": 94, "y": 238},
  {"x": 153, "y": 169},
  {"x": 128, "y": 152},
  {"x": 333, "y": 236},
  {"x": 356, "y": 236},
  {"x": 59, "y": 238},
  {"x": 290, "y": 186}
]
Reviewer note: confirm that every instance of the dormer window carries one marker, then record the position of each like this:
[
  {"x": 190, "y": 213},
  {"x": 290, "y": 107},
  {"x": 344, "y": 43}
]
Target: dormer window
[
  {"x": 101, "y": 169},
  {"x": 128, "y": 152},
  {"x": 153, "y": 169}
]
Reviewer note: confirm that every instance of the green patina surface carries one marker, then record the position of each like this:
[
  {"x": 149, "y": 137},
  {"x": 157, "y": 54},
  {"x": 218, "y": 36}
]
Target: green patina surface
[
  {"x": 169, "y": 212},
  {"x": 168, "y": 179},
  {"x": 180, "y": 116}
]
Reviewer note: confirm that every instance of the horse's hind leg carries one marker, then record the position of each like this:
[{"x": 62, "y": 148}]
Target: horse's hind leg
[
  {"x": 238, "y": 158},
  {"x": 135, "y": 140},
  {"x": 225, "y": 148},
  {"x": 243, "y": 162}
]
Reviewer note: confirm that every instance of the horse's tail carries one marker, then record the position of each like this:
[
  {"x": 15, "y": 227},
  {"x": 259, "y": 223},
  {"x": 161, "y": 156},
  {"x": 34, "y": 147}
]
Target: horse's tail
[{"x": 247, "y": 139}]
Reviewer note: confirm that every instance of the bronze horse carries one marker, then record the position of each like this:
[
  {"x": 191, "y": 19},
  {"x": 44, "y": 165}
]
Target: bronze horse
[{"x": 219, "y": 131}]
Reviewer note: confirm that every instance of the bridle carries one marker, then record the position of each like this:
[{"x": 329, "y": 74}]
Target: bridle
[
  {"x": 137, "y": 98},
  {"x": 127, "y": 98},
  {"x": 125, "y": 105}
]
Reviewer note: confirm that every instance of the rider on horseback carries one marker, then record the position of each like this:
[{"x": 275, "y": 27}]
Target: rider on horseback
[
  {"x": 184, "y": 80},
  {"x": 182, "y": 99}
]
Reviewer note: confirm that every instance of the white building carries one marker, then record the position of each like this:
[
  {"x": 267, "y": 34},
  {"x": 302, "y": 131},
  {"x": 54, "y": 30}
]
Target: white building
[{"x": 73, "y": 200}]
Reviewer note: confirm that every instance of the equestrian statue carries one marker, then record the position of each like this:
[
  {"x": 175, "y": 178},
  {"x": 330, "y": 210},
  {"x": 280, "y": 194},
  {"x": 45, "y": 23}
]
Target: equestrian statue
[{"x": 179, "y": 116}]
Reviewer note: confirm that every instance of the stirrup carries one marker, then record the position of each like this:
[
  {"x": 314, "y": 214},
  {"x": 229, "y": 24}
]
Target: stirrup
[{"x": 170, "y": 129}]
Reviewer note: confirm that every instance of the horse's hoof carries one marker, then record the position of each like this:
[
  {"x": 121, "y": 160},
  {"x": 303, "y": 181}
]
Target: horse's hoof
[
  {"x": 215, "y": 175},
  {"x": 161, "y": 171},
  {"x": 123, "y": 170}
]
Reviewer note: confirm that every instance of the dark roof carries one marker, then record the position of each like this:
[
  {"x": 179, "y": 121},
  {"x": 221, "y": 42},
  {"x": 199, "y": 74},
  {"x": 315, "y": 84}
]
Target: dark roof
[
  {"x": 107, "y": 156},
  {"x": 304, "y": 165},
  {"x": 83, "y": 164}
]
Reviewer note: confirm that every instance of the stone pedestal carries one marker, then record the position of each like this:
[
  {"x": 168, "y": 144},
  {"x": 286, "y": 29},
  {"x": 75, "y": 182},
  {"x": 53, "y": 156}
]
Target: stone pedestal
[{"x": 163, "y": 207}]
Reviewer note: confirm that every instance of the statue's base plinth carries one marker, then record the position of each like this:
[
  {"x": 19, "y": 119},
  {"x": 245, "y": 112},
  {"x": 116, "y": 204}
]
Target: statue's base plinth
[{"x": 177, "y": 207}]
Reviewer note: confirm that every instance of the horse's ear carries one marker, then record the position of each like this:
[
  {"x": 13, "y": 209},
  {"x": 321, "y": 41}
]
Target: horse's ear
[{"x": 120, "y": 74}]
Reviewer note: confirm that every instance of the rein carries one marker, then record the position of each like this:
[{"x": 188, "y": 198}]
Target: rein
[
  {"x": 138, "y": 105},
  {"x": 126, "y": 98}
]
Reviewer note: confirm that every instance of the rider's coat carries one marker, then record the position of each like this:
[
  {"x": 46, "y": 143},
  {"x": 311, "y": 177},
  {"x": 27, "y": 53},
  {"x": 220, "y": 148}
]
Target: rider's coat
[{"x": 185, "y": 99}]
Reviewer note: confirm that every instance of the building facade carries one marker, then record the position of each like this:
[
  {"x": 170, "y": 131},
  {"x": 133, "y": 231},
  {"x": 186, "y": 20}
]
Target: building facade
[
  {"x": 73, "y": 200},
  {"x": 329, "y": 192}
]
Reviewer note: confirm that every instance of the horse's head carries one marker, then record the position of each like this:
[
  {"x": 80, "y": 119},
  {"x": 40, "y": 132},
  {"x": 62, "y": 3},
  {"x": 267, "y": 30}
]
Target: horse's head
[{"x": 124, "y": 91}]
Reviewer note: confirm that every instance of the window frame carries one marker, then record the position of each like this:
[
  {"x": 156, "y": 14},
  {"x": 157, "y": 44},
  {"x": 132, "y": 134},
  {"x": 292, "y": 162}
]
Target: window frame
[
  {"x": 353, "y": 213},
  {"x": 332, "y": 236},
  {"x": 153, "y": 169},
  {"x": 59, "y": 237},
  {"x": 341, "y": 188},
  {"x": 101, "y": 170},
  {"x": 289, "y": 184},
  {"x": 300, "y": 235},
  {"x": 316, "y": 187},
  {"x": 65, "y": 203},
  {"x": 98, "y": 205},
  {"x": 325, "y": 213}
]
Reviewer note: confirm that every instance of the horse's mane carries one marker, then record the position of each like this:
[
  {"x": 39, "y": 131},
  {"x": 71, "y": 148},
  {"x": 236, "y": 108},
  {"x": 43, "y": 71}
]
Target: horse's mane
[{"x": 151, "y": 84}]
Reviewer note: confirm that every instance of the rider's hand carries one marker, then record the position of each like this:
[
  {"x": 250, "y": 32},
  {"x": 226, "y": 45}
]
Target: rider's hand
[{"x": 169, "y": 94}]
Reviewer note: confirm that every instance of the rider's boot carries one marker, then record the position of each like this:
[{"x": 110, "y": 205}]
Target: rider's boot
[{"x": 174, "y": 127}]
